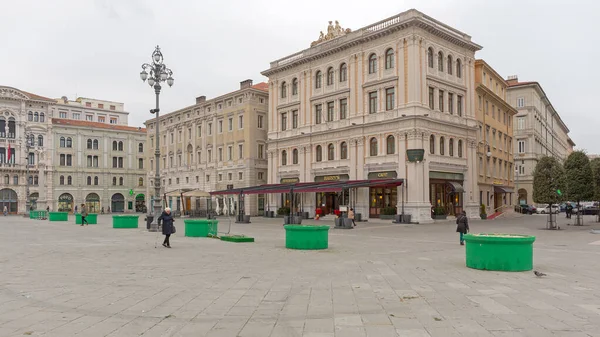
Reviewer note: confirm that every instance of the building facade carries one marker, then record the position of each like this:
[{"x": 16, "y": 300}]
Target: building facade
[
  {"x": 495, "y": 162},
  {"x": 350, "y": 106},
  {"x": 538, "y": 131},
  {"x": 213, "y": 145},
  {"x": 91, "y": 110}
]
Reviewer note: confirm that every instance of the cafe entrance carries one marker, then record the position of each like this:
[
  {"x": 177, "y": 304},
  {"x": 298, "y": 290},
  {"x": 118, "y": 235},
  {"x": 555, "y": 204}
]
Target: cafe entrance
[
  {"x": 382, "y": 197},
  {"x": 329, "y": 202}
]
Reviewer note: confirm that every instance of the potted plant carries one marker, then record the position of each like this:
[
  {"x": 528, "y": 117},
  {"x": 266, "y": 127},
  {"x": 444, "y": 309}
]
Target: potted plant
[
  {"x": 439, "y": 213},
  {"x": 482, "y": 212},
  {"x": 283, "y": 211},
  {"x": 388, "y": 213}
]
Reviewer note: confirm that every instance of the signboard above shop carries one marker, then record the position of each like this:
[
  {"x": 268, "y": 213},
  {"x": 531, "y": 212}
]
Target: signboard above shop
[
  {"x": 332, "y": 178},
  {"x": 383, "y": 175},
  {"x": 290, "y": 180}
]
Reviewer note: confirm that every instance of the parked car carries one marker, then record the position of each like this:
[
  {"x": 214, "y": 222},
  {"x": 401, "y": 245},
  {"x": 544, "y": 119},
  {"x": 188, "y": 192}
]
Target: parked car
[
  {"x": 546, "y": 210},
  {"x": 527, "y": 209}
]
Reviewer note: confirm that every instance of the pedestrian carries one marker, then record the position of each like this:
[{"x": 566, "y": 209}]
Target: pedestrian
[
  {"x": 462, "y": 227},
  {"x": 5, "y": 210},
  {"x": 102, "y": 210},
  {"x": 48, "y": 209},
  {"x": 166, "y": 218},
  {"x": 84, "y": 214},
  {"x": 75, "y": 209},
  {"x": 569, "y": 210},
  {"x": 351, "y": 216},
  {"x": 108, "y": 209}
]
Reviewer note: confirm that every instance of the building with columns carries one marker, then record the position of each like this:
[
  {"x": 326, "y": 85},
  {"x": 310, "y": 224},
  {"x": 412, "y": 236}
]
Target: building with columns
[
  {"x": 495, "y": 160},
  {"x": 213, "y": 145},
  {"x": 351, "y": 105},
  {"x": 539, "y": 131}
]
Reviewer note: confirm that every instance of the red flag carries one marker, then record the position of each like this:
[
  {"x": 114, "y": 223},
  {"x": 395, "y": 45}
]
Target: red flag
[{"x": 8, "y": 156}]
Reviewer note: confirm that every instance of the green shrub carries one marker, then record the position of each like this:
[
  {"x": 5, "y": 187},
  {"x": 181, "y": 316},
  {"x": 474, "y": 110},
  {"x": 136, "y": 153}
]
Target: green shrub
[
  {"x": 388, "y": 211},
  {"x": 439, "y": 211},
  {"x": 283, "y": 211},
  {"x": 482, "y": 209}
]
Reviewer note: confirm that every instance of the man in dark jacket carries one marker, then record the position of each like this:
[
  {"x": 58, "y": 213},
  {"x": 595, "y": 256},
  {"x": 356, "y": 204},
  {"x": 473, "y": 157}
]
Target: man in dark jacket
[
  {"x": 166, "y": 218},
  {"x": 462, "y": 227},
  {"x": 84, "y": 214}
]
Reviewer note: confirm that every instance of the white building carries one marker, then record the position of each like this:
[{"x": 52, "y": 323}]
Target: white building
[{"x": 349, "y": 107}]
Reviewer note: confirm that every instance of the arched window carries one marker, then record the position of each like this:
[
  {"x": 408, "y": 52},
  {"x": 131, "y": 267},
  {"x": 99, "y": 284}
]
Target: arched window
[
  {"x": 40, "y": 140},
  {"x": 449, "y": 65},
  {"x": 451, "y": 147},
  {"x": 344, "y": 150},
  {"x": 373, "y": 147},
  {"x": 95, "y": 146},
  {"x": 460, "y": 148},
  {"x": 120, "y": 146},
  {"x": 89, "y": 144},
  {"x": 430, "y": 57},
  {"x": 69, "y": 180},
  {"x": 115, "y": 181},
  {"x": 330, "y": 152},
  {"x": 115, "y": 145},
  {"x": 121, "y": 181},
  {"x": 62, "y": 141},
  {"x": 440, "y": 61},
  {"x": 141, "y": 181},
  {"x": 69, "y": 142},
  {"x": 283, "y": 89},
  {"x": 432, "y": 144},
  {"x": 319, "y": 153},
  {"x": 295, "y": 156},
  {"x": 62, "y": 180},
  {"x": 318, "y": 79},
  {"x": 89, "y": 180},
  {"x": 343, "y": 72},
  {"x": 12, "y": 128},
  {"x": 391, "y": 144},
  {"x": 96, "y": 181},
  {"x": 36, "y": 117},
  {"x": 30, "y": 116},
  {"x": 442, "y": 145},
  {"x": 389, "y": 59},
  {"x": 295, "y": 86},
  {"x": 330, "y": 76},
  {"x": 372, "y": 64},
  {"x": 141, "y": 148},
  {"x": 458, "y": 68},
  {"x": 283, "y": 158},
  {"x": 42, "y": 117}
]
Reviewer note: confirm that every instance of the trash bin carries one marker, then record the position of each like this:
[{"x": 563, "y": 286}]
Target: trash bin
[
  {"x": 358, "y": 217},
  {"x": 149, "y": 218}
]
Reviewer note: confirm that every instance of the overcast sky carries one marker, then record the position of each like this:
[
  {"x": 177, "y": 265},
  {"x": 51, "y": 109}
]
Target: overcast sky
[{"x": 94, "y": 48}]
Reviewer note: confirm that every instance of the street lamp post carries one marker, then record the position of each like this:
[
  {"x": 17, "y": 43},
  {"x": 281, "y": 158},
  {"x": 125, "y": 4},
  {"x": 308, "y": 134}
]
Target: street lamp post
[
  {"x": 29, "y": 143},
  {"x": 156, "y": 72}
]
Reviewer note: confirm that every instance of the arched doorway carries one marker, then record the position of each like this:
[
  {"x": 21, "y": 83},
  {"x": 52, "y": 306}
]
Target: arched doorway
[
  {"x": 117, "y": 203},
  {"x": 140, "y": 203},
  {"x": 522, "y": 196},
  {"x": 9, "y": 199},
  {"x": 65, "y": 203},
  {"x": 92, "y": 202},
  {"x": 33, "y": 197}
]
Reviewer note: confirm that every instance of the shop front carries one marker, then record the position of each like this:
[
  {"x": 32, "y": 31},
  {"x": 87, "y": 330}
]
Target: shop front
[
  {"x": 329, "y": 202},
  {"x": 140, "y": 203},
  {"x": 117, "y": 203},
  {"x": 446, "y": 192},
  {"x": 9, "y": 199},
  {"x": 381, "y": 197},
  {"x": 92, "y": 202},
  {"x": 502, "y": 196},
  {"x": 65, "y": 203},
  {"x": 286, "y": 198}
]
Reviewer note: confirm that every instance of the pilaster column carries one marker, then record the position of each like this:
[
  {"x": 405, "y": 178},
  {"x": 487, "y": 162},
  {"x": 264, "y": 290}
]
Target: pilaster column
[{"x": 470, "y": 197}]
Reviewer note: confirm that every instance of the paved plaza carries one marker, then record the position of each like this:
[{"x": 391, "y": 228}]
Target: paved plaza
[{"x": 378, "y": 280}]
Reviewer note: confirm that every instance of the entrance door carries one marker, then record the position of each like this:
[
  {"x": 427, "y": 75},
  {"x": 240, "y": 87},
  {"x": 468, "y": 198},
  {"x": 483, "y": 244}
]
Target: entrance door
[
  {"x": 497, "y": 202},
  {"x": 8, "y": 199},
  {"x": 117, "y": 203}
]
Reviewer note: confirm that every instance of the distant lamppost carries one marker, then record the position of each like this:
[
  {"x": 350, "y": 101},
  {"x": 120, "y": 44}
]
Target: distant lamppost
[
  {"x": 156, "y": 72},
  {"x": 29, "y": 143}
]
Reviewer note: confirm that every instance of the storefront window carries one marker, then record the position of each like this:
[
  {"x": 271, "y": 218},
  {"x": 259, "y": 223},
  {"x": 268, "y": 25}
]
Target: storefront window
[{"x": 380, "y": 198}]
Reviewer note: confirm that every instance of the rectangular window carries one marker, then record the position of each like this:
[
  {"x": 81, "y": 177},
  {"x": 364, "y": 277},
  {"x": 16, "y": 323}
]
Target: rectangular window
[
  {"x": 493, "y": 111},
  {"x": 330, "y": 108},
  {"x": 140, "y": 163},
  {"x": 284, "y": 121},
  {"x": 197, "y": 179},
  {"x": 431, "y": 104},
  {"x": 230, "y": 124},
  {"x": 295, "y": 119},
  {"x": 112, "y": 107},
  {"x": 343, "y": 108},
  {"x": 487, "y": 105},
  {"x": 220, "y": 154},
  {"x": 199, "y": 131},
  {"x": 208, "y": 178},
  {"x": 88, "y": 104},
  {"x": 220, "y": 177},
  {"x": 240, "y": 176},
  {"x": 260, "y": 122},
  {"x": 209, "y": 159},
  {"x": 390, "y": 98},
  {"x": 101, "y": 119},
  {"x": 373, "y": 102},
  {"x": 230, "y": 153},
  {"x": 240, "y": 151},
  {"x": 441, "y": 100},
  {"x": 209, "y": 129},
  {"x": 261, "y": 151},
  {"x": 459, "y": 105},
  {"x": 120, "y": 162},
  {"x": 172, "y": 138},
  {"x": 521, "y": 146},
  {"x": 221, "y": 126},
  {"x": 230, "y": 176},
  {"x": 451, "y": 103},
  {"x": 480, "y": 103},
  {"x": 62, "y": 114},
  {"x": 190, "y": 133},
  {"x": 318, "y": 113},
  {"x": 76, "y": 116},
  {"x": 100, "y": 106},
  {"x": 113, "y": 121},
  {"x": 520, "y": 102},
  {"x": 240, "y": 122},
  {"x": 261, "y": 175},
  {"x": 520, "y": 123}
]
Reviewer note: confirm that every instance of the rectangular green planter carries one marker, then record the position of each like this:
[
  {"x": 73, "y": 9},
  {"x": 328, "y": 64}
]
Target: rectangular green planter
[
  {"x": 306, "y": 237},
  {"x": 92, "y": 219},
  {"x": 125, "y": 221},
  {"x": 499, "y": 252},
  {"x": 58, "y": 216},
  {"x": 201, "y": 228},
  {"x": 236, "y": 238}
]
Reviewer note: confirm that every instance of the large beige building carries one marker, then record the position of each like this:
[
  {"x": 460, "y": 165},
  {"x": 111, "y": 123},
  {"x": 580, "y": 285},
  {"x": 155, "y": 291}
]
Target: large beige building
[
  {"x": 539, "y": 131},
  {"x": 348, "y": 108},
  {"x": 213, "y": 145},
  {"x": 495, "y": 160}
]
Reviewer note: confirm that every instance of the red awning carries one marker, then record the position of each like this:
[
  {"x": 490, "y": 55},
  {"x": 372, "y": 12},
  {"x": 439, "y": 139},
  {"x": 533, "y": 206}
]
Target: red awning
[{"x": 325, "y": 186}]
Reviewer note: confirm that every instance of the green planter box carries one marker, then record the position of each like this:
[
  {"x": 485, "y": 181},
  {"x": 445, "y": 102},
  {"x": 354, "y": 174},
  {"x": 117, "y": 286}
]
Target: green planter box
[
  {"x": 58, "y": 216},
  {"x": 201, "y": 228},
  {"x": 500, "y": 252},
  {"x": 125, "y": 221},
  {"x": 306, "y": 237},
  {"x": 92, "y": 219},
  {"x": 237, "y": 238}
]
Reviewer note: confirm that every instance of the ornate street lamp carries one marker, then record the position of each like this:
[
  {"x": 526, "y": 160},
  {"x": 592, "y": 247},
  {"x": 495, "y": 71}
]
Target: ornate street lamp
[
  {"x": 29, "y": 143},
  {"x": 156, "y": 72}
]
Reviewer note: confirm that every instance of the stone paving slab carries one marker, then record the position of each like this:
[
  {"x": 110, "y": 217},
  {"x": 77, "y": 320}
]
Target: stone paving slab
[{"x": 379, "y": 279}]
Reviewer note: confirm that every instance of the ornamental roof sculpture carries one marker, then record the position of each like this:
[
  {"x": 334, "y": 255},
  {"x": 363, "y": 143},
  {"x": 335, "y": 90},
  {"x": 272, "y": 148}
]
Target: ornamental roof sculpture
[{"x": 333, "y": 32}]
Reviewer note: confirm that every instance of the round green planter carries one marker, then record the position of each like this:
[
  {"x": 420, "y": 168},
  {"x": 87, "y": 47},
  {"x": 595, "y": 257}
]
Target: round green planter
[
  {"x": 91, "y": 218},
  {"x": 125, "y": 221},
  {"x": 201, "y": 227},
  {"x": 306, "y": 237},
  {"x": 58, "y": 216},
  {"x": 499, "y": 252}
]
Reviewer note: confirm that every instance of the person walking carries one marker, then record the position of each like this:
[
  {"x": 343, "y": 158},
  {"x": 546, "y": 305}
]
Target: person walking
[
  {"x": 167, "y": 220},
  {"x": 351, "y": 216},
  {"x": 5, "y": 210},
  {"x": 84, "y": 214},
  {"x": 569, "y": 210},
  {"x": 462, "y": 227}
]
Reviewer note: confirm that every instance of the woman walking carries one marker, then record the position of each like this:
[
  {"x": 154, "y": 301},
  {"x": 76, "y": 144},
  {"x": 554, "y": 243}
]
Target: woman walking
[
  {"x": 166, "y": 218},
  {"x": 84, "y": 214},
  {"x": 462, "y": 227}
]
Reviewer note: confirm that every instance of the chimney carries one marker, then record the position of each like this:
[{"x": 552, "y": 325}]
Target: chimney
[
  {"x": 513, "y": 79},
  {"x": 245, "y": 84},
  {"x": 200, "y": 99}
]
